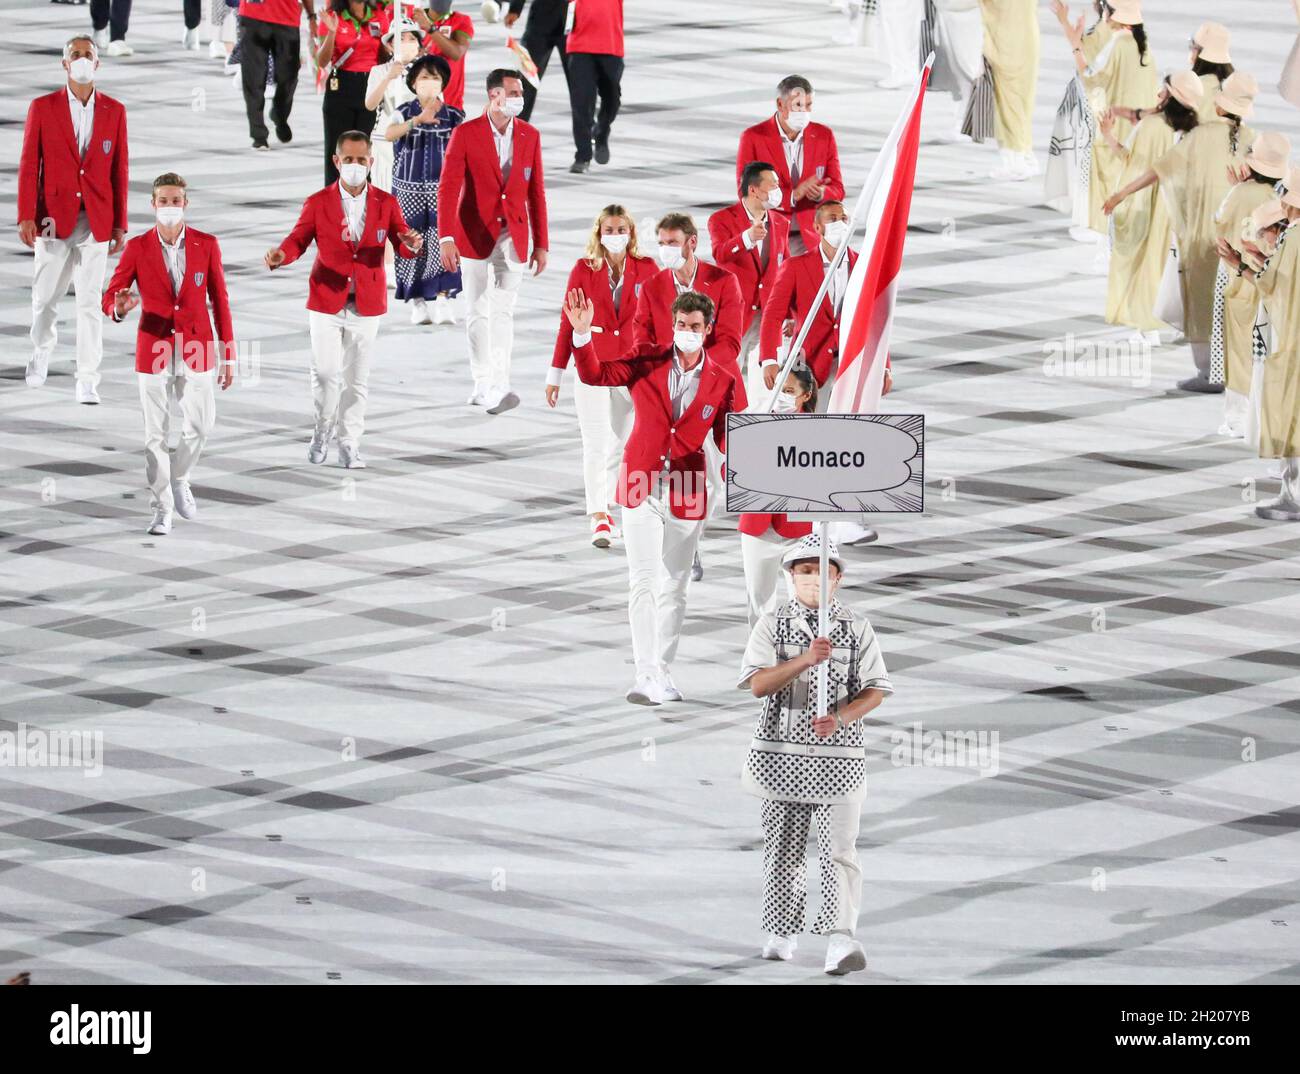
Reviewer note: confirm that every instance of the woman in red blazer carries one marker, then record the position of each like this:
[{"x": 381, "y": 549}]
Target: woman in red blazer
[
  {"x": 611, "y": 271},
  {"x": 764, "y": 539}
]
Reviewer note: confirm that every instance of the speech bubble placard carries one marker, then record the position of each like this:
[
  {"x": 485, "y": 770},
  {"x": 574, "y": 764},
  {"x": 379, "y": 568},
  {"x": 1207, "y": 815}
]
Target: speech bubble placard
[{"x": 826, "y": 464}]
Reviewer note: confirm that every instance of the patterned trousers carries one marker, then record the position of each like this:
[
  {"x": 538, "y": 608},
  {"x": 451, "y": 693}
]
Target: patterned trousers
[{"x": 785, "y": 865}]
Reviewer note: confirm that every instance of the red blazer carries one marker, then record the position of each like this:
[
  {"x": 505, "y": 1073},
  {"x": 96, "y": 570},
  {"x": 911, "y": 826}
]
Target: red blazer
[
  {"x": 55, "y": 181},
  {"x": 339, "y": 260},
  {"x": 653, "y": 329},
  {"x": 475, "y": 203},
  {"x": 763, "y": 141},
  {"x": 792, "y": 295},
  {"x": 726, "y": 233},
  {"x": 655, "y": 437},
  {"x": 166, "y": 318},
  {"x": 617, "y": 334}
]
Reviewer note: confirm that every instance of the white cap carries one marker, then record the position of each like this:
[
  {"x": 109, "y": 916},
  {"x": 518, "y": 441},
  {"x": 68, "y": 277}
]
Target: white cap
[{"x": 810, "y": 547}]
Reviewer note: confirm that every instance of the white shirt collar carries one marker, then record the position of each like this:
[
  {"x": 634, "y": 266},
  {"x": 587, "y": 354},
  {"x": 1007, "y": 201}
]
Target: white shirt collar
[
  {"x": 180, "y": 239},
  {"x": 509, "y": 129},
  {"x": 781, "y": 130},
  {"x": 354, "y": 197},
  {"x": 681, "y": 366},
  {"x": 72, "y": 98}
]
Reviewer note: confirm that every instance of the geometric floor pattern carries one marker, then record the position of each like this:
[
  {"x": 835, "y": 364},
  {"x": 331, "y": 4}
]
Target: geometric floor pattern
[{"x": 369, "y": 727}]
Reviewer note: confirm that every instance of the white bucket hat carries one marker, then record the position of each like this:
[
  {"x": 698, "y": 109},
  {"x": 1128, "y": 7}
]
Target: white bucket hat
[{"x": 810, "y": 547}]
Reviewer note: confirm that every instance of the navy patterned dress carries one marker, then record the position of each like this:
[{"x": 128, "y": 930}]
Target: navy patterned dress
[{"x": 417, "y": 170}]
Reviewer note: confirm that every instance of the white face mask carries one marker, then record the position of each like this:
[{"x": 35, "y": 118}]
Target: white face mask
[
  {"x": 785, "y": 404},
  {"x": 808, "y": 588},
  {"x": 169, "y": 215},
  {"x": 428, "y": 88},
  {"x": 798, "y": 120},
  {"x": 408, "y": 50},
  {"x": 774, "y": 197},
  {"x": 836, "y": 230},
  {"x": 353, "y": 174},
  {"x": 615, "y": 244},
  {"x": 512, "y": 106},
  {"x": 82, "y": 70},
  {"x": 671, "y": 257},
  {"x": 687, "y": 342}
]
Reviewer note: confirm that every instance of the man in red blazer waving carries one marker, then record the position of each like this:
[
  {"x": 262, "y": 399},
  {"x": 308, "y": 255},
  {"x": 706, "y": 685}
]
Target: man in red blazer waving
[
  {"x": 751, "y": 240},
  {"x": 806, "y": 158},
  {"x": 680, "y": 401},
  {"x": 177, "y": 354},
  {"x": 72, "y": 184},
  {"x": 491, "y": 201},
  {"x": 350, "y": 221}
]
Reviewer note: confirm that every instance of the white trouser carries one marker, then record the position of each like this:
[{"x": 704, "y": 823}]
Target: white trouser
[
  {"x": 195, "y": 397},
  {"x": 901, "y": 21},
  {"x": 762, "y": 559},
  {"x": 660, "y": 548},
  {"x": 604, "y": 420},
  {"x": 491, "y": 287},
  {"x": 747, "y": 359},
  {"x": 340, "y": 371},
  {"x": 785, "y": 864},
  {"x": 81, "y": 261}
]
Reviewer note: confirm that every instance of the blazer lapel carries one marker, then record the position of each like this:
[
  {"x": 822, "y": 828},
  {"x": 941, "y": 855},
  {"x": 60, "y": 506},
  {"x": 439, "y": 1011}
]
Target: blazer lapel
[
  {"x": 491, "y": 148},
  {"x": 708, "y": 375},
  {"x": 160, "y": 259},
  {"x": 776, "y": 152},
  {"x": 63, "y": 118}
]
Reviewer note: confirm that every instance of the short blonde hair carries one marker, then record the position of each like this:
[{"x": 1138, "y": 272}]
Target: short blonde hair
[
  {"x": 595, "y": 252},
  {"x": 170, "y": 179}
]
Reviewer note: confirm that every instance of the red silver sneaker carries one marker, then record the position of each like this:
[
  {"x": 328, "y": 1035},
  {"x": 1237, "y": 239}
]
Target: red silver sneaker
[{"x": 601, "y": 532}]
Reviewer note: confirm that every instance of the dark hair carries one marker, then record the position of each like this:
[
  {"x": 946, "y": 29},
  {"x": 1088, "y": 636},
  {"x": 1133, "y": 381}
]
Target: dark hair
[
  {"x": 1140, "y": 37},
  {"x": 351, "y": 136},
  {"x": 1234, "y": 131},
  {"x": 497, "y": 77},
  {"x": 752, "y": 174},
  {"x": 1178, "y": 115},
  {"x": 694, "y": 302},
  {"x": 340, "y": 6},
  {"x": 677, "y": 222},
  {"x": 807, "y": 383},
  {"x": 1205, "y": 67},
  {"x": 1255, "y": 177},
  {"x": 435, "y": 65},
  {"x": 791, "y": 83}
]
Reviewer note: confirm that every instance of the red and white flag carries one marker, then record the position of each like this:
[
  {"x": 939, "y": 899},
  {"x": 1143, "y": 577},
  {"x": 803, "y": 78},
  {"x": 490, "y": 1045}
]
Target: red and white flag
[{"x": 868, "y": 308}]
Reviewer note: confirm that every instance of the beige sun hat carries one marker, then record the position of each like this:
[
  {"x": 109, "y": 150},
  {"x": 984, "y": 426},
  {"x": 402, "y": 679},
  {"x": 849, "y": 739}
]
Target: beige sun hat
[
  {"x": 1266, "y": 215},
  {"x": 1186, "y": 89},
  {"x": 1237, "y": 94},
  {"x": 1269, "y": 155},
  {"x": 1292, "y": 184},
  {"x": 1212, "y": 40},
  {"x": 1128, "y": 12}
]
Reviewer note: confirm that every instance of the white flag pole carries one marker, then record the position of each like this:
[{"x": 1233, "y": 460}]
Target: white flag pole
[
  {"x": 823, "y": 615},
  {"x": 865, "y": 196}
]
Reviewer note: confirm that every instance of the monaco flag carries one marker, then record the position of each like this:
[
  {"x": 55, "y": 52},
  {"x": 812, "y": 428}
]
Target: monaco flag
[{"x": 868, "y": 308}]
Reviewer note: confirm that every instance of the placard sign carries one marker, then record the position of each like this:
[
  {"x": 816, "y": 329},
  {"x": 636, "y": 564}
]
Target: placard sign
[{"x": 815, "y": 465}]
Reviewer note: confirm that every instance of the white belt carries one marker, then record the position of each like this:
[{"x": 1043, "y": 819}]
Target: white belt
[{"x": 764, "y": 745}]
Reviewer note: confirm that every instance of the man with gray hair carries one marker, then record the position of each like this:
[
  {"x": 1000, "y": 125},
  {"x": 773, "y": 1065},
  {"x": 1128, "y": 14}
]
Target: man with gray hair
[
  {"x": 72, "y": 187},
  {"x": 804, "y": 156}
]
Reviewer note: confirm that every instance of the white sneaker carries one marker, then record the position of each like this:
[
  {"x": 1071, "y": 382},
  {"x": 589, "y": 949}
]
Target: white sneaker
[
  {"x": 350, "y": 456},
  {"x": 319, "y": 447},
  {"x": 1011, "y": 168},
  {"x": 162, "y": 522},
  {"x": 601, "y": 532},
  {"x": 86, "y": 393},
  {"x": 184, "y": 500},
  {"x": 38, "y": 366},
  {"x": 1151, "y": 338},
  {"x": 101, "y": 38},
  {"x": 420, "y": 312},
  {"x": 190, "y": 40},
  {"x": 478, "y": 397},
  {"x": 499, "y": 400},
  {"x": 1101, "y": 260},
  {"x": 120, "y": 48},
  {"x": 645, "y": 691},
  {"x": 216, "y": 50},
  {"x": 1029, "y": 165},
  {"x": 444, "y": 310},
  {"x": 847, "y": 533},
  {"x": 844, "y": 955},
  {"x": 1283, "y": 509},
  {"x": 1084, "y": 234},
  {"x": 491, "y": 11},
  {"x": 668, "y": 689},
  {"x": 780, "y": 948}
]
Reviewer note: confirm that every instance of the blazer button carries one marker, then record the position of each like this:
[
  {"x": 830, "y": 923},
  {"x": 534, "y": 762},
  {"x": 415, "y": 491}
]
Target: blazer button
[
  {"x": 83, "y": 171},
  {"x": 503, "y": 197},
  {"x": 615, "y": 331},
  {"x": 78, "y": 193},
  {"x": 178, "y": 307},
  {"x": 753, "y": 307}
]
